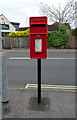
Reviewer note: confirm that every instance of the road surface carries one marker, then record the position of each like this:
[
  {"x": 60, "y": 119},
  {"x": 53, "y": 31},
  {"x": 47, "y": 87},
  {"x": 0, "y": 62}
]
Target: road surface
[{"x": 54, "y": 71}]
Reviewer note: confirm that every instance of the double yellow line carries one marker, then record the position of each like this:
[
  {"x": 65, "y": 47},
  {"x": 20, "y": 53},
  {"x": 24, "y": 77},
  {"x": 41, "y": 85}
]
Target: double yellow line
[{"x": 52, "y": 86}]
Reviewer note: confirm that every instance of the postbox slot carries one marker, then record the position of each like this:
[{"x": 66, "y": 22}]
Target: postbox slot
[{"x": 38, "y": 25}]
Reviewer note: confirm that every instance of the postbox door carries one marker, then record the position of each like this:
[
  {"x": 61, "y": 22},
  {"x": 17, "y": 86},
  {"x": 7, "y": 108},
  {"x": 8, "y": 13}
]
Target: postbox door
[{"x": 38, "y": 46}]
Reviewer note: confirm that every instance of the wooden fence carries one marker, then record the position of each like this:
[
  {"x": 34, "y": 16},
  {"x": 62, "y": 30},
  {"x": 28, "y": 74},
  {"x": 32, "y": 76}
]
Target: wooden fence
[
  {"x": 15, "y": 42},
  {"x": 24, "y": 42},
  {"x": 72, "y": 42}
]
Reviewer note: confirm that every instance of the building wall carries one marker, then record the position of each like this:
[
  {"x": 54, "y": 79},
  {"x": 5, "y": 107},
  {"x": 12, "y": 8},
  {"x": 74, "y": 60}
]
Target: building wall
[
  {"x": 16, "y": 25},
  {"x": 4, "y": 20}
]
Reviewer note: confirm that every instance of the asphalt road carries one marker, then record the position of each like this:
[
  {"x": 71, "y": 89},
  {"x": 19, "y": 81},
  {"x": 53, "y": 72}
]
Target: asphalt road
[{"x": 54, "y": 72}]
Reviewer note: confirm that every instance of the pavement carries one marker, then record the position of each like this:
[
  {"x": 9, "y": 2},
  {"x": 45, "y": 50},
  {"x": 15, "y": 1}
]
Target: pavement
[
  {"x": 48, "y": 50},
  {"x": 55, "y": 103}
]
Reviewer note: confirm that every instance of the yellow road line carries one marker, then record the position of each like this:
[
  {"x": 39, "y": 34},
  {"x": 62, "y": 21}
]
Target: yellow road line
[
  {"x": 27, "y": 86},
  {"x": 51, "y": 86}
]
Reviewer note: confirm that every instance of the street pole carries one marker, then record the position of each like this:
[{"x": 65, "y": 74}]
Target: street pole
[
  {"x": 39, "y": 79},
  {"x": 0, "y": 40},
  {"x": 0, "y": 75},
  {"x": 4, "y": 81},
  {"x": 75, "y": 39},
  {"x": 5, "y": 98},
  {"x": 76, "y": 14}
]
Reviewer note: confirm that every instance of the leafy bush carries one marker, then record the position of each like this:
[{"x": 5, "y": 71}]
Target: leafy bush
[
  {"x": 57, "y": 38},
  {"x": 20, "y": 33},
  {"x": 74, "y": 32},
  {"x": 12, "y": 34},
  {"x": 62, "y": 28}
]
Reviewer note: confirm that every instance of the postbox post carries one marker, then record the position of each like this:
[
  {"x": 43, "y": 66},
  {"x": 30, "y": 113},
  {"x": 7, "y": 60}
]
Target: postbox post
[{"x": 39, "y": 79}]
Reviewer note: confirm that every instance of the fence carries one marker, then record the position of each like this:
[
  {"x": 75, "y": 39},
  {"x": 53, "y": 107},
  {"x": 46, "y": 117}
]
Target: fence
[
  {"x": 24, "y": 42},
  {"x": 15, "y": 42},
  {"x": 72, "y": 42}
]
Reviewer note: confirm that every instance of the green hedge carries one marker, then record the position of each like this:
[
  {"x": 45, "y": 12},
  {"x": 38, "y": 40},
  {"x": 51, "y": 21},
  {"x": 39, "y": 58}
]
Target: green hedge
[
  {"x": 63, "y": 28},
  {"x": 20, "y": 33},
  {"x": 58, "y": 38}
]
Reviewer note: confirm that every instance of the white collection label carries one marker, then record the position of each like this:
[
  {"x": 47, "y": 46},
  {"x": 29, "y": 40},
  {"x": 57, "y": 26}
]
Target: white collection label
[{"x": 38, "y": 45}]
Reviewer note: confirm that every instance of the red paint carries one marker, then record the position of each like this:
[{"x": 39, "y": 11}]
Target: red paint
[{"x": 38, "y": 35}]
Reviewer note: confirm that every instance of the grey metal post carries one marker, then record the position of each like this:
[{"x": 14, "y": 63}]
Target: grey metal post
[
  {"x": 0, "y": 75},
  {"x": 76, "y": 14},
  {"x": 5, "y": 98}
]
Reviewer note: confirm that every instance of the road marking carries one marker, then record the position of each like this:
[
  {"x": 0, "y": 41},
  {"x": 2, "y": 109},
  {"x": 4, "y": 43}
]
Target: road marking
[
  {"x": 27, "y": 86},
  {"x": 16, "y": 88},
  {"x": 51, "y": 86},
  {"x": 27, "y": 58},
  {"x": 19, "y": 58},
  {"x": 61, "y": 58}
]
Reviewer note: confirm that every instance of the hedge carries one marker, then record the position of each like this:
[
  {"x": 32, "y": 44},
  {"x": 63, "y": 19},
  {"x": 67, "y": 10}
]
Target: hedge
[
  {"x": 58, "y": 38},
  {"x": 20, "y": 33}
]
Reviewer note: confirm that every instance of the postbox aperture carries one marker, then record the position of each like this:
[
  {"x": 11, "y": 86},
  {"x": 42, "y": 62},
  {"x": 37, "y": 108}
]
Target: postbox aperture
[{"x": 38, "y": 37}]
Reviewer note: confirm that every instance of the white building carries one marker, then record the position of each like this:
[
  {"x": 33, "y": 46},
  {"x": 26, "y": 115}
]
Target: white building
[{"x": 6, "y": 24}]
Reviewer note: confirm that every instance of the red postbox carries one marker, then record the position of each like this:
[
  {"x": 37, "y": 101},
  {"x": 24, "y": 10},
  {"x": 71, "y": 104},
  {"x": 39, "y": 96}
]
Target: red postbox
[{"x": 38, "y": 37}]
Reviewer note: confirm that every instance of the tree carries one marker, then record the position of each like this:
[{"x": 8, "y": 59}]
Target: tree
[{"x": 61, "y": 15}]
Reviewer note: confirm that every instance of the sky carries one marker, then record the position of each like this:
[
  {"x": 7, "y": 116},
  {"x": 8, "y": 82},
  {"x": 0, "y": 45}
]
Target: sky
[{"x": 21, "y": 10}]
